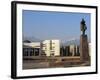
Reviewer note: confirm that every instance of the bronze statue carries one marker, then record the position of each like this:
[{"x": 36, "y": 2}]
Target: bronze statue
[{"x": 83, "y": 27}]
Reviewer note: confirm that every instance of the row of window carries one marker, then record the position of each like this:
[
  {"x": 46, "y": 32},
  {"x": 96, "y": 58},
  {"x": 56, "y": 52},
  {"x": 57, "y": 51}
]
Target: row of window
[
  {"x": 31, "y": 51},
  {"x": 69, "y": 52}
]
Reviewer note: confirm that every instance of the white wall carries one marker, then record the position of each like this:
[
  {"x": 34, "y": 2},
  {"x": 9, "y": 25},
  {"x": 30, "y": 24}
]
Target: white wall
[
  {"x": 5, "y": 43},
  {"x": 56, "y": 46},
  {"x": 33, "y": 44},
  {"x": 47, "y": 46}
]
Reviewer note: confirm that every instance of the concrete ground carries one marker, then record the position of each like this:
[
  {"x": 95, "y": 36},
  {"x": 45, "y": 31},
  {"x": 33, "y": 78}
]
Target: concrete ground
[{"x": 52, "y": 63}]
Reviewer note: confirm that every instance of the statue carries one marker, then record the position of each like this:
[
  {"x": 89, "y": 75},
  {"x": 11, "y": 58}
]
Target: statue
[
  {"x": 83, "y": 27},
  {"x": 84, "y": 48}
]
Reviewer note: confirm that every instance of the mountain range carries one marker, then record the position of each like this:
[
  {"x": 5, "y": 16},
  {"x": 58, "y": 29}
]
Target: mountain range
[
  {"x": 70, "y": 42},
  {"x": 32, "y": 39}
]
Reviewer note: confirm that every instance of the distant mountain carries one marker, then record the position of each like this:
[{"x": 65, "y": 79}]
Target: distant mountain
[
  {"x": 32, "y": 39},
  {"x": 75, "y": 42}
]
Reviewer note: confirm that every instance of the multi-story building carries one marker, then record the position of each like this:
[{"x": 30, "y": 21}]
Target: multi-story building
[
  {"x": 77, "y": 51},
  {"x": 51, "y": 47},
  {"x": 89, "y": 49},
  {"x": 62, "y": 51},
  {"x": 65, "y": 51},
  {"x": 31, "y": 49},
  {"x": 74, "y": 50}
]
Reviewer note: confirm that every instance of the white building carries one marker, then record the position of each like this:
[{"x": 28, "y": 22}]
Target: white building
[
  {"x": 89, "y": 49},
  {"x": 51, "y": 47},
  {"x": 33, "y": 44},
  {"x": 74, "y": 50},
  {"x": 31, "y": 49}
]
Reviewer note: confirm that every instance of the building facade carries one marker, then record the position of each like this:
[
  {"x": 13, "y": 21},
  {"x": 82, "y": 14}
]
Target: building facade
[
  {"x": 89, "y": 49},
  {"x": 70, "y": 50},
  {"x": 74, "y": 50},
  {"x": 51, "y": 47},
  {"x": 31, "y": 49},
  {"x": 65, "y": 51}
]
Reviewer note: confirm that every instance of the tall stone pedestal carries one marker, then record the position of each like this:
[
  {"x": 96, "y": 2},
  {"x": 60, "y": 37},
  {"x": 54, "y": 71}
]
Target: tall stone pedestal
[{"x": 84, "y": 49}]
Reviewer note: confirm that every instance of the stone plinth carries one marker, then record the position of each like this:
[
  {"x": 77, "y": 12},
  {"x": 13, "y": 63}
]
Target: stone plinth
[{"x": 84, "y": 49}]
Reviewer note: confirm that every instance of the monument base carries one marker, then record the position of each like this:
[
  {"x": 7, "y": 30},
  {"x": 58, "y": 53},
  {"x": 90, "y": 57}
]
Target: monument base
[{"x": 84, "y": 49}]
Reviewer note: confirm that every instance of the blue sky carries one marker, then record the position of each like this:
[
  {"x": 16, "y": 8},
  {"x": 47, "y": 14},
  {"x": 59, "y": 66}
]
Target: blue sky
[{"x": 53, "y": 25}]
